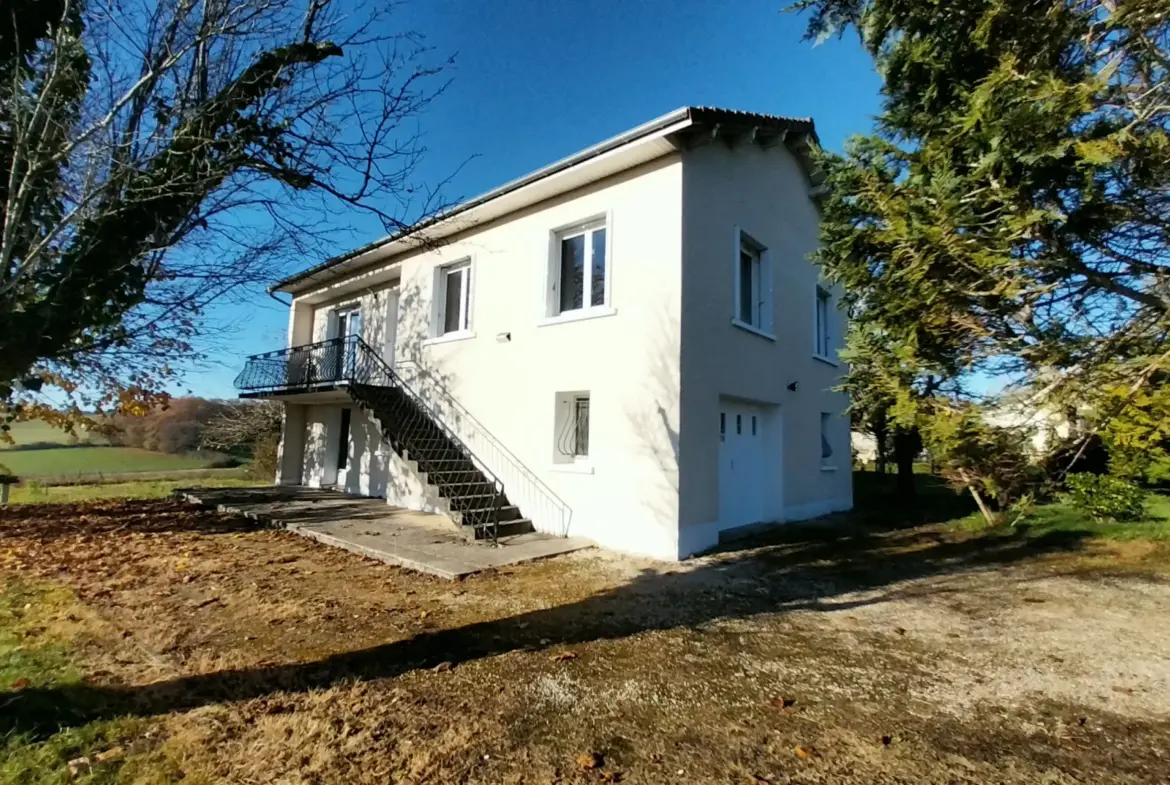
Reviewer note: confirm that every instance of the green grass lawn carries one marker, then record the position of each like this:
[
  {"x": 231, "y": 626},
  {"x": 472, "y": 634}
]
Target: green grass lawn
[
  {"x": 37, "y": 432},
  {"x": 36, "y": 652},
  {"x": 937, "y": 503},
  {"x": 68, "y": 461},
  {"x": 1065, "y": 517}
]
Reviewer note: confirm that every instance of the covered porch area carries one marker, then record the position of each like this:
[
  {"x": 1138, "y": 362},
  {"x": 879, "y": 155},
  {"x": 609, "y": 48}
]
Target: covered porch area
[{"x": 420, "y": 541}]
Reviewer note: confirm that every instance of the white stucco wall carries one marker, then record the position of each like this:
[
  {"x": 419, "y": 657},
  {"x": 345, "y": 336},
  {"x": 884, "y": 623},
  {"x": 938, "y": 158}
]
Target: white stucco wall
[
  {"x": 656, "y": 364},
  {"x": 627, "y": 360},
  {"x": 485, "y": 384},
  {"x": 367, "y": 467},
  {"x": 765, "y": 193},
  {"x": 374, "y": 301},
  {"x": 291, "y": 450},
  {"x": 320, "y": 445}
]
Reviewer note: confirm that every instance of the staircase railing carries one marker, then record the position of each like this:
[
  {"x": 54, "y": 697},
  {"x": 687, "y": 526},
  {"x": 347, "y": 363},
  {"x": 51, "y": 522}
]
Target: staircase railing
[
  {"x": 352, "y": 361},
  {"x": 539, "y": 502}
]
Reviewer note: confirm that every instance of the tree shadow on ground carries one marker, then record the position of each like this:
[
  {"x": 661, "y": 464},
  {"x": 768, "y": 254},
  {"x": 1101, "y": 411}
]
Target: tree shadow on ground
[
  {"x": 879, "y": 506},
  {"x": 819, "y": 567},
  {"x": 37, "y": 446}
]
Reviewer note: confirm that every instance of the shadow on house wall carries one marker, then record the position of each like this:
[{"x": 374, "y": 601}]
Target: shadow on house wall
[{"x": 432, "y": 383}]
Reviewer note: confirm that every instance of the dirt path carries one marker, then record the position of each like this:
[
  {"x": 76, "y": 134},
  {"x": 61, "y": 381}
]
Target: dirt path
[{"x": 906, "y": 656}]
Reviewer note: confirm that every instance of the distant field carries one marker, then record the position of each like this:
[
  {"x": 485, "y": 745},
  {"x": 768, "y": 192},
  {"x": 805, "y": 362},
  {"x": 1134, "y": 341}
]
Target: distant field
[
  {"x": 63, "y": 462},
  {"x": 36, "y": 432}
]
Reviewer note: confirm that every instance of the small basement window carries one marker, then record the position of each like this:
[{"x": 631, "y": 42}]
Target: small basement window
[{"x": 572, "y": 428}]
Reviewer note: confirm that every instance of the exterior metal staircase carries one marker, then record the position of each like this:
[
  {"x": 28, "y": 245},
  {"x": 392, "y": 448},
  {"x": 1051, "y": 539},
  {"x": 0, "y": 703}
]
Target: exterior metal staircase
[{"x": 473, "y": 494}]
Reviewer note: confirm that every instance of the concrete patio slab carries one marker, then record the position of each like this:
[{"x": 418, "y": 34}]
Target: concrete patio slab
[{"x": 420, "y": 541}]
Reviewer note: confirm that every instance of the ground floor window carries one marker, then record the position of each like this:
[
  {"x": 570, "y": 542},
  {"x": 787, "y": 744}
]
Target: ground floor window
[{"x": 572, "y": 427}]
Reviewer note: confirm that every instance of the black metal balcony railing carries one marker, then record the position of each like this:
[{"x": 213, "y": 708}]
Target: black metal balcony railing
[
  {"x": 325, "y": 362},
  {"x": 408, "y": 422}
]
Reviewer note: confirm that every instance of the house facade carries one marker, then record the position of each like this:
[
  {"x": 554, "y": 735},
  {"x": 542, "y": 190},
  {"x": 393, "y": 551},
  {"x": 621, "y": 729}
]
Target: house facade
[{"x": 630, "y": 345}]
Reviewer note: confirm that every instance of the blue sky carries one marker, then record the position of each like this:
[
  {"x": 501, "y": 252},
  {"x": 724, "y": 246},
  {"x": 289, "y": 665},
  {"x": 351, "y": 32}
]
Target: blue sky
[{"x": 536, "y": 80}]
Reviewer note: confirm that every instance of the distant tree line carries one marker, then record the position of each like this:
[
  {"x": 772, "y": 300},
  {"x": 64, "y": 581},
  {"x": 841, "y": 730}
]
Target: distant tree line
[
  {"x": 244, "y": 430},
  {"x": 175, "y": 428}
]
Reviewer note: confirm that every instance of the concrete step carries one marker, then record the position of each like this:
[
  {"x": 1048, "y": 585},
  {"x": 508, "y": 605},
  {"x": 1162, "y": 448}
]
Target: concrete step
[
  {"x": 512, "y": 528},
  {"x": 503, "y": 529},
  {"x": 464, "y": 490},
  {"x": 459, "y": 477},
  {"x": 509, "y": 512}
]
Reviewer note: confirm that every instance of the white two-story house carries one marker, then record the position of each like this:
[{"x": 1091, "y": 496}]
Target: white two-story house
[{"x": 629, "y": 345}]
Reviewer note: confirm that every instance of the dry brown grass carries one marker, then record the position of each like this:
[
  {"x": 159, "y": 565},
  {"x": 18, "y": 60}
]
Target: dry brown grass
[{"x": 905, "y": 656}]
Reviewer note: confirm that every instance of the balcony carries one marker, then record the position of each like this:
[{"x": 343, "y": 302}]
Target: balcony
[{"x": 313, "y": 367}]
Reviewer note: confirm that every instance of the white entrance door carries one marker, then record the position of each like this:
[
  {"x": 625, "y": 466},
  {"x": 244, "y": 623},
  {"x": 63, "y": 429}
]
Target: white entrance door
[{"x": 742, "y": 481}]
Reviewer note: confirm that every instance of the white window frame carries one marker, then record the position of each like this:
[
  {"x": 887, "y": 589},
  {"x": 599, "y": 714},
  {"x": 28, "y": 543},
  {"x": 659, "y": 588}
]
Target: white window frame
[
  {"x": 552, "y": 306},
  {"x": 466, "y": 301},
  {"x": 566, "y": 458},
  {"x": 575, "y": 420},
  {"x": 822, "y": 336},
  {"x": 763, "y": 316},
  {"x": 333, "y": 321}
]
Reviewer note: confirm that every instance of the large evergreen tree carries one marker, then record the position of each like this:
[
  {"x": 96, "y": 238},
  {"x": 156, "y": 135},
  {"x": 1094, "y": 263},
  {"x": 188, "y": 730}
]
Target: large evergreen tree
[{"x": 1011, "y": 213}]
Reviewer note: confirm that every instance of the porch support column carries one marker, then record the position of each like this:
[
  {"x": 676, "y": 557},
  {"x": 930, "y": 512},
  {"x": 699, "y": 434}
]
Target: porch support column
[{"x": 290, "y": 455}]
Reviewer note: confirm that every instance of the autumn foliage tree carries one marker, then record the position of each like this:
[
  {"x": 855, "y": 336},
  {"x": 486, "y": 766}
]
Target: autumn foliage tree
[
  {"x": 176, "y": 428},
  {"x": 157, "y": 156}
]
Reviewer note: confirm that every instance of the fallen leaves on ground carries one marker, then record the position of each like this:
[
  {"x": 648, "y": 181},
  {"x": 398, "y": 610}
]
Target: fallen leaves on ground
[
  {"x": 334, "y": 656},
  {"x": 588, "y": 761}
]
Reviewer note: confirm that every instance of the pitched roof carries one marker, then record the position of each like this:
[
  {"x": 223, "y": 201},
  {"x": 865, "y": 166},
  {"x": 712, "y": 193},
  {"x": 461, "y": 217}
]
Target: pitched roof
[{"x": 685, "y": 126}]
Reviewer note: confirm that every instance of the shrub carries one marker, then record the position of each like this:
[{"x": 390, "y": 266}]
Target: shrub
[
  {"x": 264, "y": 453},
  {"x": 991, "y": 462},
  {"x": 1104, "y": 497}
]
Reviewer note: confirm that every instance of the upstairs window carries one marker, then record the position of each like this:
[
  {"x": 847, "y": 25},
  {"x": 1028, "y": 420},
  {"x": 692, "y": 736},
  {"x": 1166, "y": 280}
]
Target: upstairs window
[
  {"x": 823, "y": 310},
  {"x": 753, "y": 285},
  {"x": 579, "y": 271},
  {"x": 453, "y": 298}
]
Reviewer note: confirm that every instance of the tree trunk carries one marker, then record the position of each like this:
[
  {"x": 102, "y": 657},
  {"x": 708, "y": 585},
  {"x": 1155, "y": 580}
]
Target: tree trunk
[
  {"x": 991, "y": 518},
  {"x": 880, "y": 438},
  {"x": 907, "y": 445}
]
